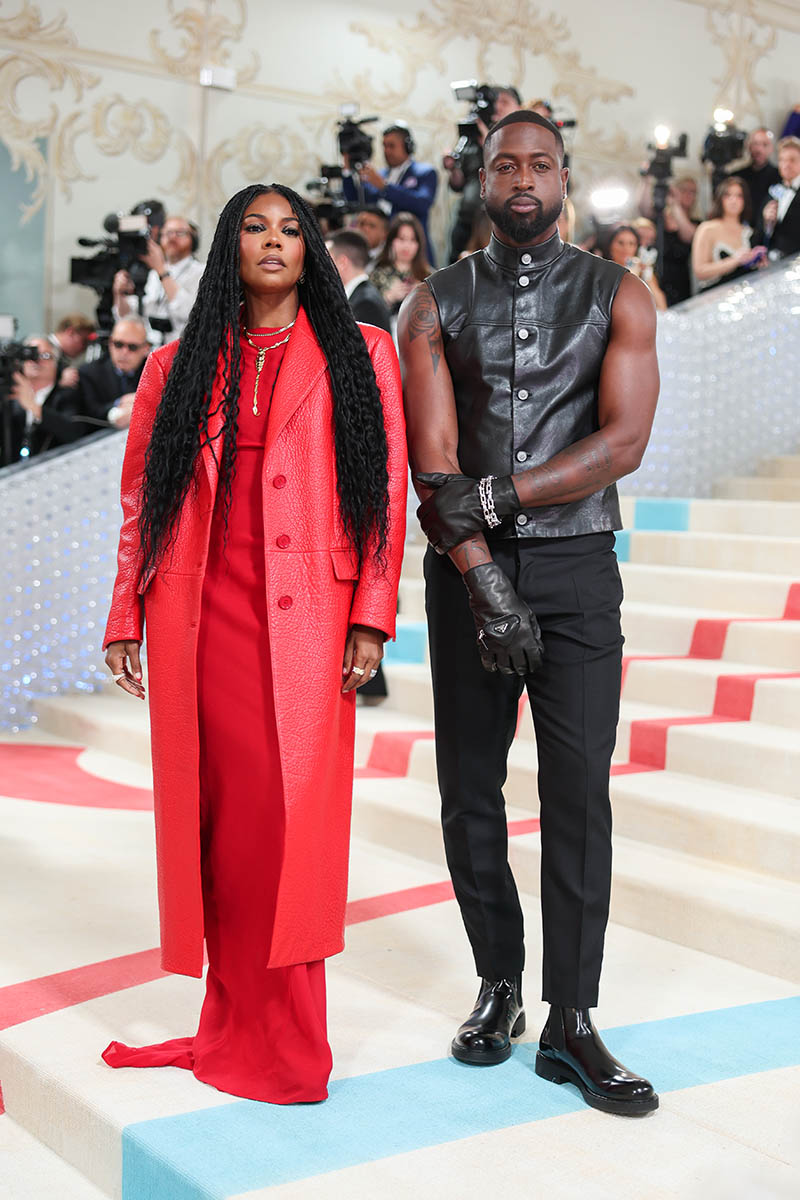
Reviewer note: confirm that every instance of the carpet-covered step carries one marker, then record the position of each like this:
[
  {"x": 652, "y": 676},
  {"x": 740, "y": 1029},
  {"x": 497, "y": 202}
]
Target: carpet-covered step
[
  {"x": 740, "y": 827},
  {"x": 29, "y": 1170},
  {"x": 746, "y": 487},
  {"x": 754, "y": 553},
  {"x": 772, "y": 644},
  {"x": 705, "y": 685},
  {"x": 109, "y": 721},
  {"x": 733, "y": 913},
  {"x": 739, "y": 592},
  {"x": 774, "y": 518},
  {"x": 745, "y": 753},
  {"x": 781, "y": 466}
]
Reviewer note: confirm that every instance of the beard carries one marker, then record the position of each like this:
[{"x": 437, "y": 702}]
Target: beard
[{"x": 523, "y": 229}]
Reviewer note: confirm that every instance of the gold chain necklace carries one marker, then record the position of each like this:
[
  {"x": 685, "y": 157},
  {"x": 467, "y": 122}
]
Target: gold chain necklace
[{"x": 261, "y": 355}]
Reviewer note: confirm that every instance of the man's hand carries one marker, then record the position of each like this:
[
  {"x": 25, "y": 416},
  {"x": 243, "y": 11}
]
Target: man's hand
[
  {"x": 69, "y": 377},
  {"x": 454, "y": 511},
  {"x": 23, "y": 392},
  {"x": 122, "y": 411},
  {"x": 154, "y": 258},
  {"x": 509, "y": 638},
  {"x": 370, "y": 175}
]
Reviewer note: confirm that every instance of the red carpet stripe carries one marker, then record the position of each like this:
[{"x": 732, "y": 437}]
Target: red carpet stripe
[{"x": 52, "y": 775}]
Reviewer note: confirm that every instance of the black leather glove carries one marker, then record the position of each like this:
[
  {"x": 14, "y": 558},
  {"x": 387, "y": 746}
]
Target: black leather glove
[
  {"x": 454, "y": 512},
  {"x": 509, "y": 638}
]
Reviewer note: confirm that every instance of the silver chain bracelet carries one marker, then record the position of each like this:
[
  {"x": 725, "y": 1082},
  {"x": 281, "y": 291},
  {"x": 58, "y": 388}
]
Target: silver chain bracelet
[{"x": 486, "y": 496}]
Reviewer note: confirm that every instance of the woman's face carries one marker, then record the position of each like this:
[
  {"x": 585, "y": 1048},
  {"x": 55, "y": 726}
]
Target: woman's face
[
  {"x": 405, "y": 246},
  {"x": 733, "y": 202},
  {"x": 271, "y": 246},
  {"x": 623, "y": 247}
]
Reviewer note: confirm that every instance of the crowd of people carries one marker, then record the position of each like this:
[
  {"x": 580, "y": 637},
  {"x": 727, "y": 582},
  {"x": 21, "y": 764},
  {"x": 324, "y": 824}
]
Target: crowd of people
[{"x": 380, "y": 242}]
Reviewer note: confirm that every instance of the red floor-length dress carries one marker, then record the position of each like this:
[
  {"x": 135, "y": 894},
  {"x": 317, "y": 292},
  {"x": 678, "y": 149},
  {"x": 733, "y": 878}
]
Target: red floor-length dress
[{"x": 262, "y": 1032}]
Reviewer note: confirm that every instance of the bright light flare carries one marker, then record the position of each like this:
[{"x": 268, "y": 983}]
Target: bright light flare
[
  {"x": 722, "y": 117},
  {"x": 661, "y": 136},
  {"x": 609, "y": 198}
]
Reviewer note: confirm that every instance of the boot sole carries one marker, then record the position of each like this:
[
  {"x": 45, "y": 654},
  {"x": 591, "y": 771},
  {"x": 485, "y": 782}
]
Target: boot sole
[
  {"x": 556, "y": 1072},
  {"x": 488, "y": 1058}
]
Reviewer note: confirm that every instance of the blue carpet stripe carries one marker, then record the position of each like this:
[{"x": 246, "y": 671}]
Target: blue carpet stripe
[
  {"x": 622, "y": 544},
  {"x": 242, "y": 1146},
  {"x": 661, "y": 514}
]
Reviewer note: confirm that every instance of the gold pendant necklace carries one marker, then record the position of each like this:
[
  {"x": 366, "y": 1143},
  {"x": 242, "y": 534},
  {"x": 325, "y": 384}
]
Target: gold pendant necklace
[{"x": 261, "y": 355}]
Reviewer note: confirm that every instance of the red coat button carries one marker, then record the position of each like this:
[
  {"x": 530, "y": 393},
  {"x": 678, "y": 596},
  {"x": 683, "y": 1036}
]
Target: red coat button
[
  {"x": 285, "y": 602},
  {"x": 283, "y": 541},
  {"x": 279, "y": 481}
]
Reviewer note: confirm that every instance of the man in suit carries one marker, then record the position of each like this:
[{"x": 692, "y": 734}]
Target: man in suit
[
  {"x": 403, "y": 185},
  {"x": 350, "y": 253},
  {"x": 782, "y": 216},
  {"x": 106, "y": 387}
]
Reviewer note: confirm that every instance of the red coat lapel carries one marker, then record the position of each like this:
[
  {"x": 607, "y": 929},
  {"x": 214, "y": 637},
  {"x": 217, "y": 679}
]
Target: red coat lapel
[{"x": 302, "y": 367}]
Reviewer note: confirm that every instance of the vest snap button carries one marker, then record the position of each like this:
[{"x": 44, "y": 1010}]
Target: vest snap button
[
  {"x": 524, "y": 281},
  {"x": 522, "y": 456},
  {"x": 526, "y": 258},
  {"x": 522, "y": 518},
  {"x": 523, "y": 394},
  {"x": 522, "y": 335}
]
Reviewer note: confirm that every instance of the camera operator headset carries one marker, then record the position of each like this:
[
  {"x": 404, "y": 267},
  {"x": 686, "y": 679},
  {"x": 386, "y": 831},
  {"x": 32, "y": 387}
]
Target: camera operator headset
[
  {"x": 403, "y": 185},
  {"x": 172, "y": 282}
]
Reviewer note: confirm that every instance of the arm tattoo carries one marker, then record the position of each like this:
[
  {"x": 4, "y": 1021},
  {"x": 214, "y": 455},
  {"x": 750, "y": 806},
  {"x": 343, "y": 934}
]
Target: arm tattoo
[
  {"x": 423, "y": 320},
  {"x": 597, "y": 458},
  {"x": 471, "y": 553}
]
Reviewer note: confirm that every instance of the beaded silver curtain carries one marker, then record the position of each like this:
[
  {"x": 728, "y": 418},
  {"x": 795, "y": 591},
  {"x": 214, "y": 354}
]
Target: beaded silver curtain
[
  {"x": 730, "y": 375},
  {"x": 61, "y": 519}
]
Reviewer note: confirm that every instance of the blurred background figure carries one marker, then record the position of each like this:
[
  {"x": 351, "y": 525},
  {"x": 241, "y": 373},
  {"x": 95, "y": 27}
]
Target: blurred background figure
[
  {"x": 760, "y": 174},
  {"x": 107, "y": 386},
  {"x": 72, "y": 335},
  {"x": 622, "y": 247},
  {"x": 722, "y": 249},
  {"x": 373, "y": 224},
  {"x": 172, "y": 283},
  {"x": 403, "y": 262},
  {"x": 350, "y": 253},
  {"x": 782, "y": 213}
]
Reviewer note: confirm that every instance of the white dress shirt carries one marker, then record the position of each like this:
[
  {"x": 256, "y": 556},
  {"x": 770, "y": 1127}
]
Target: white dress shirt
[
  {"x": 187, "y": 274},
  {"x": 787, "y": 196},
  {"x": 350, "y": 287}
]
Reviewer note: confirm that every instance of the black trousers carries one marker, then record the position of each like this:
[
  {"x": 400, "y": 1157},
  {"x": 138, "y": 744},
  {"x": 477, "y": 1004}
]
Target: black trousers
[{"x": 572, "y": 584}]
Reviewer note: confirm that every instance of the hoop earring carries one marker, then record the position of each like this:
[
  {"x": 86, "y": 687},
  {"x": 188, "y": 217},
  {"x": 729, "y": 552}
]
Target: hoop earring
[{"x": 302, "y": 277}]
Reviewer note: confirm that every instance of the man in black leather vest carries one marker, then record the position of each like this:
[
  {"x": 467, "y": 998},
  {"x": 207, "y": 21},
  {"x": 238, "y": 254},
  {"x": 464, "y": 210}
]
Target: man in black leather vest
[{"x": 531, "y": 381}]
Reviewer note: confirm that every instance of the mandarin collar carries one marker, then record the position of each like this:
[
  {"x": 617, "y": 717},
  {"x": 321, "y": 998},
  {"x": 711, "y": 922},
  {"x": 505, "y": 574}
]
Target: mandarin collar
[{"x": 514, "y": 258}]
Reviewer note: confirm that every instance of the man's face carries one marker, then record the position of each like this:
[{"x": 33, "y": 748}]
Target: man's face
[
  {"x": 686, "y": 192},
  {"x": 760, "y": 146},
  {"x": 523, "y": 183},
  {"x": 41, "y": 373},
  {"x": 394, "y": 150},
  {"x": 128, "y": 346},
  {"x": 503, "y": 105},
  {"x": 73, "y": 341},
  {"x": 372, "y": 227},
  {"x": 176, "y": 239},
  {"x": 789, "y": 163}
]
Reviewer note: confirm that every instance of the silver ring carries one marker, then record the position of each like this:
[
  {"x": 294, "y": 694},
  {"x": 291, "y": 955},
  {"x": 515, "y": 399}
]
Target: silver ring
[
  {"x": 117, "y": 678},
  {"x": 358, "y": 670},
  {"x": 373, "y": 672}
]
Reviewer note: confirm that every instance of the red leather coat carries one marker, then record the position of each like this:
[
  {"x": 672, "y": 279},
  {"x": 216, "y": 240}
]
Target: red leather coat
[{"x": 317, "y": 570}]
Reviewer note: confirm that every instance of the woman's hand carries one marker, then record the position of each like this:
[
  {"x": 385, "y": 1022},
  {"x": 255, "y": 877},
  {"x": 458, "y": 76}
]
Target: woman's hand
[
  {"x": 122, "y": 660},
  {"x": 362, "y": 656},
  {"x": 398, "y": 289}
]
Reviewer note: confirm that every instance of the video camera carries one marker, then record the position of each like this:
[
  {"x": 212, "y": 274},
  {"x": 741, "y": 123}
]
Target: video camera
[
  {"x": 358, "y": 145},
  {"x": 482, "y": 97},
  {"x": 13, "y": 356},
  {"x": 122, "y": 251},
  {"x": 724, "y": 143}
]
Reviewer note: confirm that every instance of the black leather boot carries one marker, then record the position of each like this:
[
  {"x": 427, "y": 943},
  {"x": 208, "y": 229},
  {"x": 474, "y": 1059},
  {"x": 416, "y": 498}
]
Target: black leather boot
[
  {"x": 485, "y": 1037},
  {"x": 572, "y": 1051}
]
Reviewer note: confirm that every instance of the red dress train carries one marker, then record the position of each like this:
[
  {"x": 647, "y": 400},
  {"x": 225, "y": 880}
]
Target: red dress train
[{"x": 262, "y": 1032}]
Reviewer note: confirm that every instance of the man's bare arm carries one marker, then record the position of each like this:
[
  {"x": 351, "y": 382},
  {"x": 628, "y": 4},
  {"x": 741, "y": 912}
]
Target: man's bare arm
[
  {"x": 430, "y": 408},
  {"x": 626, "y": 405}
]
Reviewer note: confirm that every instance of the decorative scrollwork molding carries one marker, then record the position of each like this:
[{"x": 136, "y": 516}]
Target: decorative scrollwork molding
[
  {"x": 204, "y": 35},
  {"x": 744, "y": 39},
  {"x": 257, "y": 153}
]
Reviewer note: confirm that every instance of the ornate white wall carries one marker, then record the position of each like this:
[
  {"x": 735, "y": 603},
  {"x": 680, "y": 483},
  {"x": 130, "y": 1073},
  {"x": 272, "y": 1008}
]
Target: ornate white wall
[{"x": 114, "y": 90}]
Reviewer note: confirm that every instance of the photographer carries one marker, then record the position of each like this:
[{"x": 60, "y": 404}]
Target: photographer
[
  {"x": 403, "y": 185},
  {"x": 680, "y": 227},
  {"x": 107, "y": 386},
  {"x": 72, "y": 335},
  {"x": 465, "y": 161},
  {"x": 171, "y": 285},
  {"x": 41, "y": 417}
]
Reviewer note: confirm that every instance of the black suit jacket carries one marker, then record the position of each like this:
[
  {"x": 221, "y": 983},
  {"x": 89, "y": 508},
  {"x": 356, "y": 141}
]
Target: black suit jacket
[
  {"x": 368, "y": 305},
  {"x": 786, "y": 234},
  {"x": 99, "y": 387}
]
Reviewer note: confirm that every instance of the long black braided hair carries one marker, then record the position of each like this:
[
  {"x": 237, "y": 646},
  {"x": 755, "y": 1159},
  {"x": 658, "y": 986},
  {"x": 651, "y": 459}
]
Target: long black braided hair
[{"x": 210, "y": 343}]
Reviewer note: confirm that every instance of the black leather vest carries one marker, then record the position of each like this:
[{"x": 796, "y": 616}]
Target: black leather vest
[{"x": 525, "y": 330}]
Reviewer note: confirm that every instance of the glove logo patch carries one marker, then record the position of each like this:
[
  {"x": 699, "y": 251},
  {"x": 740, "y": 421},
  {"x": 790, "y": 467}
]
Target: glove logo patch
[{"x": 500, "y": 628}]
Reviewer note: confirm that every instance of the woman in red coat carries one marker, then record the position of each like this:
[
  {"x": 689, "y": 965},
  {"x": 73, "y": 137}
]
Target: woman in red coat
[{"x": 263, "y": 496}]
